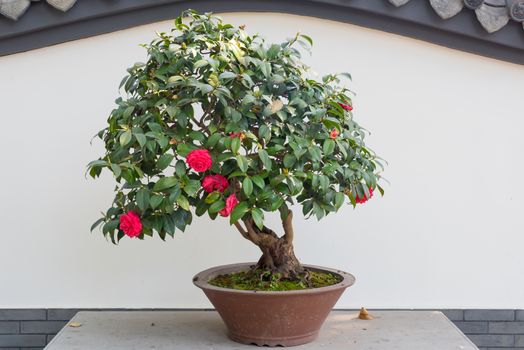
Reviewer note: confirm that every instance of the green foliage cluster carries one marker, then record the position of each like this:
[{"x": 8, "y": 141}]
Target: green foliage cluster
[{"x": 202, "y": 82}]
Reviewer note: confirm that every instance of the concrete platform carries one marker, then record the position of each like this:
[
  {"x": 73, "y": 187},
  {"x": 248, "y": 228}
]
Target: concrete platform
[{"x": 204, "y": 330}]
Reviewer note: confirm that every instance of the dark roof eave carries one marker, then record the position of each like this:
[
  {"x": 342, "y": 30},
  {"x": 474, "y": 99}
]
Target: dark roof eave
[{"x": 43, "y": 26}]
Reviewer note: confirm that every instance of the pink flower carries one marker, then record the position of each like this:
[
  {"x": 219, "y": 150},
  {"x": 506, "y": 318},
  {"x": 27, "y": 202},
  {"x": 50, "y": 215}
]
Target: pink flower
[
  {"x": 231, "y": 203},
  {"x": 333, "y": 134},
  {"x": 346, "y": 107},
  {"x": 130, "y": 224},
  {"x": 199, "y": 160},
  {"x": 364, "y": 199},
  {"x": 213, "y": 183}
]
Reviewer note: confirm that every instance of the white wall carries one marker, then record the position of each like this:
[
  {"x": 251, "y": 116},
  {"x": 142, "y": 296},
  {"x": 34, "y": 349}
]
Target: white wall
[{"x": 449, "y": 232}]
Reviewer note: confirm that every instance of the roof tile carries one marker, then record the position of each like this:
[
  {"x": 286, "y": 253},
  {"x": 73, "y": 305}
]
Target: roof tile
[
  {"x": 492, "y": 14},
  {"x": 62, "y": 5},
  {"x": 447, "y": 8},
  {"x": 492, "y": 18},
  {"x": 14, "y": 8}
]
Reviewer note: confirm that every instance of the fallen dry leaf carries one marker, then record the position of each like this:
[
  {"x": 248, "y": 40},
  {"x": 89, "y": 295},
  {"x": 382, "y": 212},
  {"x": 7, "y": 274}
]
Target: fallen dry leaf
[
  {"x": 74, "y": 324},
  {"x": 276, "y": 106},
  {"x": 364, "y": 314}
]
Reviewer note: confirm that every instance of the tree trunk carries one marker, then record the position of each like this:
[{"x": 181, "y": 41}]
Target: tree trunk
[{"x": 278, "y": 256}]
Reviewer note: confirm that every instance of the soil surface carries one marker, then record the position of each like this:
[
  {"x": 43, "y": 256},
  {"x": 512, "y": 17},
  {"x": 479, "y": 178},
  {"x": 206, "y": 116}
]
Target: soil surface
[{"x": 265, "y": 281}]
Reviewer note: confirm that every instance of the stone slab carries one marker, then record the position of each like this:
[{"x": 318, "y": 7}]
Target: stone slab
[{"x": 204, "y": 330}]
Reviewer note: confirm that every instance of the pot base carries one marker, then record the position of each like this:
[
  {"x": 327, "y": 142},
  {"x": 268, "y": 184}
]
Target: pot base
[
  {"x": 289, "y": 341},
  {"x": 265, "y": 318}
]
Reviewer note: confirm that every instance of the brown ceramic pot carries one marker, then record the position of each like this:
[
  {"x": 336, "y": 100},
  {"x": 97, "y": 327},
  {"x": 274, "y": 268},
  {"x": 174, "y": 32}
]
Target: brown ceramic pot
[{"x": 286, "y": 318}]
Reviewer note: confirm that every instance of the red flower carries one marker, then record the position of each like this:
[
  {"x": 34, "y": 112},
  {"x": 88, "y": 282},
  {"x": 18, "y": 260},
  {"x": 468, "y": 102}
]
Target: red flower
[
  {"x": 213, "y": 183},
  {"x": 130, "y": 224},
  {"x": 199, "y": 160},
  {"x": 346, "y": 107},
  {"x": 364, "y": 199},
  {"x": 334, "y": 133},
  {"x": 231, "y": 203},
  {"x": 240, "y": 135}
]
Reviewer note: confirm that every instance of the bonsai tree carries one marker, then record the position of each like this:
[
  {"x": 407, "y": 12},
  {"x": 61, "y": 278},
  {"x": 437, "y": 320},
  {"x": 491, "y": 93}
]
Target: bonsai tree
[{"x": 223, "y": 123}]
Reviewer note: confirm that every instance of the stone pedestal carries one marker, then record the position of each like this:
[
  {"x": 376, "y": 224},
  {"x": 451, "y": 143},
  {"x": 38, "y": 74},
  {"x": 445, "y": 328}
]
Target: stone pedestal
[{"x": 203, "y": 330}]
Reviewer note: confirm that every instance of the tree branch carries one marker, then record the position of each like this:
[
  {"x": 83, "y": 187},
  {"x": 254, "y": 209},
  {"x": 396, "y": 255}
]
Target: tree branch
[
  {"x": 253, "y": 236},
  {"x": 270, "y": 232},
  {"x": 242, "y": 231},
  {"x": 288, "y": 227}
]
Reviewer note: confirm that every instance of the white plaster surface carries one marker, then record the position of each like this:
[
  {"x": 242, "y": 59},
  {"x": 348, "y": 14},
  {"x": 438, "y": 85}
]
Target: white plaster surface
[{"x": 448, "y": 234}]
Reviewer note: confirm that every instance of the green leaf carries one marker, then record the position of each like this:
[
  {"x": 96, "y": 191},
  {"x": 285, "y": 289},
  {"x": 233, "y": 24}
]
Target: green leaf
[
  {"x": 155, "y": 200},
  {"x": 247, "y": 186},
  {"x": 258, "y": 217},
  {"x": 277, "y": 179},
  {"x": 142, "y": 199},
  {"x": 264, "y": 157},
  {"x": 339, "y": 199},
  {"x": 201, "y": 208},
  {"x": 97, "y": 222},
  {"x": 273, "y": 51},
  {"x": 212, "y": 140},
  {"x": 319, "y": 212},
  {"x": 192, "y": 187},
  {"x": 315, "y": 153},
  {"x": 381, "y": 190},
  {"x": 217, "y": 206},
  {"x": 329, "y": 146},
  {"x": 183, "y": 202},
  {"x": 116, "y": 170},
  {"x": 204, "y": 88},
  {"x": 183, "y": 149},
  {"x": 239, "y": 211},
  {"x": 227, "y": 76},
  {"x": 277, "y": 204},
  {"x": 165, "y": 183},
  {"x": 199, "y": 64},
  {"x": 128, "y": 112},
  {"x": 259, "y": 181},
  {"x": 180, "y": 168},
  {"x": 235, "y": 144},
  {"x": 173, "y": 79},
  {"x": 265, "y": 67},
  {"x": 324, "y": 182},
  {"x": 264, "y": 132},
  {"x": 289, "y": 160},
  {"x": 164, "y": 161},
  {"x": 308, "y": 39},
  {"x": 242, "y": 162},
  {"x": 212, "y": 197},
  {"x": 141, "y": 139},
  {"x": 169, "y": 225},
  {"x": 125, "y": 138},
  {"x": 347, "y": 75}
]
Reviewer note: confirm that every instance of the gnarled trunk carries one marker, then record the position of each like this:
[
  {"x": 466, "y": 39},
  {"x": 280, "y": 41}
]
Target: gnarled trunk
[{"x": 278, "y": 256}]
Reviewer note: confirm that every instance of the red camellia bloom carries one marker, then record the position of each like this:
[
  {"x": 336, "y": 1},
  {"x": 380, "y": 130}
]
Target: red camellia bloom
[
  {"x": 213, "y": 183},
  {"x": 240, "y": 135},
  {"x": 130, "y": 224},
  {"x": 364, "y": 199},
  {"x": 334, "y": 133},
  {"x": 231, "y": 203},
  {"x": 346, "y": 107},
  {"x": 199, "y": 160}
]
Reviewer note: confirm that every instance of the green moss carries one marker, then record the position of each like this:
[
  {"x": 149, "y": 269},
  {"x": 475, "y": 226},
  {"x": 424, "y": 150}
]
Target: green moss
[{"x": 265, "y": 281}]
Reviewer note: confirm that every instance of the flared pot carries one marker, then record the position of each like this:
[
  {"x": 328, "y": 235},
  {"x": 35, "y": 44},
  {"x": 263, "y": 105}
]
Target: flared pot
[{"x": 286, "y": 318}]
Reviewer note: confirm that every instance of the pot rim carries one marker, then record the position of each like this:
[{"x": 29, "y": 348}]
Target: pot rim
[{"x": 201, "y": 280}]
